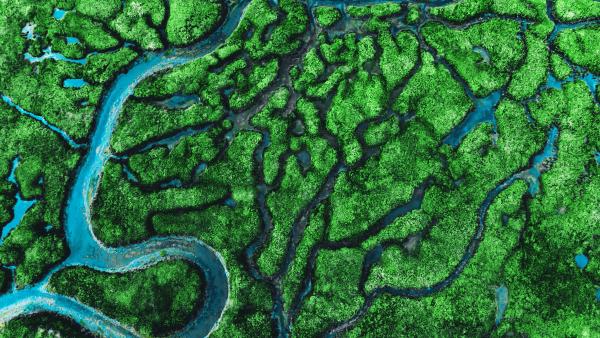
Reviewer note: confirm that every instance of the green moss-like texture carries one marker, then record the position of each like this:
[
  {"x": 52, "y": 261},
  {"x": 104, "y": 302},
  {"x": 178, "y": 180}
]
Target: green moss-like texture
[
  {"x": 581, "y": 46},
  {"x": 154, "y": 301},
  {"x": 190, "y": 20},
  {"x": 43, "y": 325},
  {"x": 414, "y": 168},
  {"x": 327, "y": 16}
]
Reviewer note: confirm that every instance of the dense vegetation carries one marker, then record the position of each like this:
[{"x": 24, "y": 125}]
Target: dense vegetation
[
  {"x": 43, "y": 325},
  {"x": 191, "y": 20},
  {"x": 153, "y": 301},
  {"x": 366, "y": 170}
]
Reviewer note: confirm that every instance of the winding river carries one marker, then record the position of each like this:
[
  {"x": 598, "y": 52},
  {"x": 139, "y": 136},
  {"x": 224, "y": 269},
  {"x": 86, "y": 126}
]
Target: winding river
[{"x": 86, "y": 250}]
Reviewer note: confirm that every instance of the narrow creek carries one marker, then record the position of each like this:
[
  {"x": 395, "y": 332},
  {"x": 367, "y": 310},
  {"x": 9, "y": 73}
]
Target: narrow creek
[
  {"x": 85, "y": 248},
  {"x": 87, "y": 251}
]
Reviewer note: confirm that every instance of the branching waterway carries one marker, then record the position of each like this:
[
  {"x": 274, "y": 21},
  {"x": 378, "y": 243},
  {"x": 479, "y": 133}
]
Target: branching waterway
[{"x": 86, "y": 250}]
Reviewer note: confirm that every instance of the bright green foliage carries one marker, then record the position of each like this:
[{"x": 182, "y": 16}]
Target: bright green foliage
[
  {"x": 331, "y": 300},
  {"x": 270, "y": 119},
  {"x": 31, "y": 252},
  {"x": 498, "y": 38},
  {"x": 304, "y": 149},
  {"x": 145, "y": 121},
  {"x": 560, "y": 68},
  {"x": 376, "y": 15},
  {"x": 104, "y": 67},
  {"x": 379, "y": 10},
  {"x": 155, "y": 300},
  {"x": 179, "y": 161},
  {"x": 413, "y": 15},
  {"x": 464, "y": 10},
  {"x": 31, "y": 248},
  {"x": 232, "y": 176},
  {"x": 353, "y": 103},
  {"x": 191, "y": 20},
  {"x": 511, "y": 152},
  {"x": 532, "y": 73},
  {"x": 312, "y": 68},
  {"x": 46, "y": 96},
  {"x": 421, "y": 97},
  {"x": 92, "y": 34},
  {"x": 397, "y": 57},
  {"x": 102, "y": 10},
  {"x": 576, "y": 10},
  {"x": 445, "y": 313},
  {"x": 297, "y": 188},
  {"x": 461, "y": 10},
  {"x": 385, "y": 182},
  {"x": 257, "y": 81},
  {"x": 581, "y": 46},
  {"x": 137, "y": 22},
  {"x": 327, "y": 16},
  {"x": 380, "y": 133},
  {"x": 313, "y": 233},
  {"x": 554, "y": 105},
  {"x": 561, "y": 226}
]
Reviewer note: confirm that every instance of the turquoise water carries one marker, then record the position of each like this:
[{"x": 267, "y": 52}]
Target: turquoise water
[
  {"x": 483, "y": 113},
  {"x": 230, "y": 202},
  {"x": 42, "y": 120},
  {"x": 49, "y": 54},
  {"x": 59, "y": 14},
  {"x": 71, "y": 40},
  {"x": 180, "y": 101},
  {"x": 540, "y": 162},
  {"x": 88, "y": 251},
  {"x": 74, "y": 83},
  {"x": 501, "y": 302},
  {"x": 581, "y": 261},
  {"x": 84, "y": 247},
  {"x": 28, "y": 30},
  {"x": 20, "y": 208}
]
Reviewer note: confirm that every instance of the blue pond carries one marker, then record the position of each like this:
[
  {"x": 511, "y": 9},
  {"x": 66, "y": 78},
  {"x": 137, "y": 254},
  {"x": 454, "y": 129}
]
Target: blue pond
[
  {"x": 59, "y": 14},
  {"x": 553, "y": 82},
  {"x": 71, "y": 40},
  {"x": 581, "y": 261},
  {"x": 597, "y": 156},
  {"x": 484, "y": 112},
  {"x": 74, "y": 83},
  {"x": 598, "y": 294},
  {"x": 28, "y": 31}
]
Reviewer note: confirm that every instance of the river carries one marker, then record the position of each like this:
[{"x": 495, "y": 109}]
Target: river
[{"x": 86, "y": 250}]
